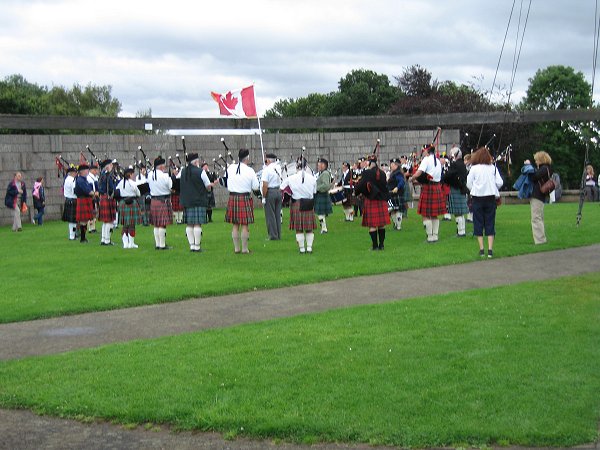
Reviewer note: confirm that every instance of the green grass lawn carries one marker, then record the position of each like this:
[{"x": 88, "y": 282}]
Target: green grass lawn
[
  {"x": 45, "y": 275},
  {"x": 516, "y": 365}
]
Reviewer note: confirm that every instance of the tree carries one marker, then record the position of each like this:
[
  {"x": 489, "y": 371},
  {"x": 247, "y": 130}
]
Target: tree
[
  {"x": 560, "y": 87},
  {"x": 415, "y": 81}
]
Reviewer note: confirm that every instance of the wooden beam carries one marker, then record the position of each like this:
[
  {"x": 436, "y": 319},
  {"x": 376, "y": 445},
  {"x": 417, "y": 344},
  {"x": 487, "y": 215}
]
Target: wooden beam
[{"x": 23, "y": 122}]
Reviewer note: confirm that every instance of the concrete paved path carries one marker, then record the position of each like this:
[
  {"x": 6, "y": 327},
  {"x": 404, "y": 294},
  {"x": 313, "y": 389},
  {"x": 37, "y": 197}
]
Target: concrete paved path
[{"x": 25, "y": 430}]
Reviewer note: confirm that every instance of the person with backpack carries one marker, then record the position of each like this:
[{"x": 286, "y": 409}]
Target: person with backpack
[
  {"x": 456, "y": 177},
  {"x": 396, "y": 185},
  {"x": 39, "y": 200}
]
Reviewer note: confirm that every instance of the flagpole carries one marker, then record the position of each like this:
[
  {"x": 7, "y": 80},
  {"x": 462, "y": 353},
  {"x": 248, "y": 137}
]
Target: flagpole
[{"x": 262, "y": 148}]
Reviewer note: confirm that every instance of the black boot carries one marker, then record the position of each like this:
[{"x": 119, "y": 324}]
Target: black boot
[
  {"x": 373, "y": 235},
  {"x": 381, "y": 233},
  {"x": 82, "y": 229}
]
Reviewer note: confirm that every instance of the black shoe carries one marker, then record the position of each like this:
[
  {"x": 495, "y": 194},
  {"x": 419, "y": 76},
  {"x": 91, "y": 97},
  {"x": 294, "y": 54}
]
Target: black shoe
[
  {"x": 166, "y": 247},
  {"x": 375, "y": 249},
  {"x": 83, "y": 241},
  {"x": 481, "y": 253},
  {"x": 381, "y": 247},
  {"x": 490, "y": 254}
]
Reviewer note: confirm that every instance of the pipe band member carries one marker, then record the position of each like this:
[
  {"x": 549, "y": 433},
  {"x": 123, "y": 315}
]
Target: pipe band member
[{"x": 161, "y": 212}]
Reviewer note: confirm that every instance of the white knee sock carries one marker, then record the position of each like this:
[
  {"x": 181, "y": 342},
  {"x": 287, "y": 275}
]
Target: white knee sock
[
  {"x": 310, "y": 237},
  {"x": 72, "y": 230},
  {"x": 460, "y": 225},
  {"x": 189, "y": 232},
  {"x": 428, "y": 229},
  {"x": 245, "y": 237},
  {"x": 157, "y": 237},
  {"x": 197, "y": 237},
  {"x": 323, "y": 223},
  {"x": 235, "y": 236},
  {"x": 435, "y": 228},
  {"x": 300, "y": 240}
]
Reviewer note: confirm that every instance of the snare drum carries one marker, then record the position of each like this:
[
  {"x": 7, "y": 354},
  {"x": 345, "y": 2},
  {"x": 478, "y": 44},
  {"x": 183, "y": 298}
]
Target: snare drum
[{"x": 337, "y": 195}]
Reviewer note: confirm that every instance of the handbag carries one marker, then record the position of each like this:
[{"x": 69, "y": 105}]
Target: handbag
[
  {"x": 548, "y": 186},
  {"x": 24, "y": 208},
  {"x": 307, "y": 204}
]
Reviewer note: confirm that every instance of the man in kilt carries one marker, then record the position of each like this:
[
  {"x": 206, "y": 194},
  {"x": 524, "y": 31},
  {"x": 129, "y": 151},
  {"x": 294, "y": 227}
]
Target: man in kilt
[
  {"x": 70, "y": 208},
  {"x": 241, "y": 182},
  {"x": 432, "y": 202},
  {"x": 129, "y": 209},
  {"x": 303, "y": 185},
  {"x": 214, "y": 178},
  {"x": 323, "y": 206},
  {"x": 85, "y": 193},
  {"x": 195, "y": 186},
  {"x": 161, "y": 213},
  {"x": 107, "y": 208},
  {"x": 357, "y": 199},
  {"x": 375, "y": 216},
  {"x": 93, "y": 180},
  {"x": 270, "y": 182},
  {"x": 456, "y": 178},
  {"x": 345, "y": 183},
  {"x": 396, "y": 184},
  {"x": 175, "y": 197}
]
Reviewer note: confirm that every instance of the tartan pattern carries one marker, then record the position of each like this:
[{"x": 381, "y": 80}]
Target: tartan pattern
[
  {"x": 195, "y": 215},
  {"x": 348, "y": 198},
  {"x": 175, "y": 204},
  {"x": 129, "y": 215},
  {"x": 432, "y": 202},
  {"x": 107, "y": 211},
  {"x": 323, "y": 205},
  {"x": 240, "y": 209},
  {"x": 375, "y": 213},
  {"x": 457, "y": 202},
  {"x": 85, "y": 209},
  {"x": 161, "y": 213},
  {"x": 69, "y": 211},
  {"x": 397, "y": 203},
  {"x": 301, "y": 220}
]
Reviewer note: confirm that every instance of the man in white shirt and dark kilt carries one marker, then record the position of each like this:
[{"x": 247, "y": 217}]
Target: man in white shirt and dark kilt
[
  {"x": 345, "y": 184},
  {"x": 241, "y": 182},
  {"x": 396, "y": 184},
  {"x": 70, "y": 207},
  {"x": 323, "y": 206},
  {"x": 129, "y": 209},
  {"x": 85, "y": 193},
  {"x": 107, "y": 208},
  {"x": 161, "y": 213},
  {"x": 456, "y": 178},
  {"x": 432, "y": 202},
  {"x": 303, "y": 185},
  {"x": 195, "y": 186}
]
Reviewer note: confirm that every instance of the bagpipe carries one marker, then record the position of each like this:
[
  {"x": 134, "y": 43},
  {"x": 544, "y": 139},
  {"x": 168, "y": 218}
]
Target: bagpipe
[{"x": 221, "y": 163}]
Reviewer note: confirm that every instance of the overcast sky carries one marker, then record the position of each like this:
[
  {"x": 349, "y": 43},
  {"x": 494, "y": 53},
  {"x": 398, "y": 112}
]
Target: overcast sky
[{"x": 168, "y": 56}]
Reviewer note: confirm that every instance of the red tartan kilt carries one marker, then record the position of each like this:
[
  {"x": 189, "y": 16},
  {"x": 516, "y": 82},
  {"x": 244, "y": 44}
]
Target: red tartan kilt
[
  {"x": 240, "y": 209},
  {"x": 301, "y": 220},
  {"x": 175, "y": 203},
  {"x": 161, "y": 213},
  {"x": 107, "y": 209},
  {"x": 375, "y": 213},
  {"x": 85, "y": 209},
  {"x": 445, "y": 189},
  {"x": 432, "y": 202}
]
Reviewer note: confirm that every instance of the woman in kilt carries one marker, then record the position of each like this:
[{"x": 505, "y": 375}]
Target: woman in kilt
[
  {"x": 432, "y": 202},
  {"x": 129, "y": 209},
  {"x": 323, "y": 206},
  {"x": 161, "y": 214},
  {"x": 303, "y": 185},
  {"x": 241, "y": 182},
  {"x": 375, "y": 216},
  {"x": 396, "y": 185},
  {"x": 84, "y": 190},
  {"x": 456, "y": 178}
]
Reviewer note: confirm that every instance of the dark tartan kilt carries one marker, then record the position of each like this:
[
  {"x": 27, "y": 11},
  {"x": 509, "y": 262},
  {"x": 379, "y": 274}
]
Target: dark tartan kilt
[
  {"x": 397, "y": 203},
  {"x": 85, "y": 209},
  {"x": 161, "y": 213},
  {"x": 175, "y": 203},
  {"x": 348, "y": 201},
  {"x": 195, "y": 215},
  {"x": 70, "y": 210},
  {"x": 457, "y": 202},
  {"x": 240, "y": 209},
  {"x": 129, "y": 215},
  {"x": 301, "y": 220},
  {"x": 432, "y": 202},
  {"x": 375, "y": 213},
  {"x": 107, "y": 211},
  {"x": 323, "y": 205}
]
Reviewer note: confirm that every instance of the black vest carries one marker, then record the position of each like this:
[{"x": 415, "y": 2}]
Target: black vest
[{"x": 193, "y": 192}]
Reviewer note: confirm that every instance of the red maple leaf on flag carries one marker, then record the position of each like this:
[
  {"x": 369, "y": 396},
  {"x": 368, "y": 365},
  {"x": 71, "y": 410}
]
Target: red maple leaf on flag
[{"x": 229, "y": 101}]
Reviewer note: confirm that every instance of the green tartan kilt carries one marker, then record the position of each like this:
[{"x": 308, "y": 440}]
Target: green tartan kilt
[
  {"x": 195, "y": 215},
  {"x": 323, "y": 205},
  {"x": 457, "y": 202},
  {"x": 129, "y": 215}
]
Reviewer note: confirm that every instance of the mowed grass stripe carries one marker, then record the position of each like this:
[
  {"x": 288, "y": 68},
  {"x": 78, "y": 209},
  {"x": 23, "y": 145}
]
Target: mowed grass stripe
[
  {"x": 45, "y": 275},
  {"x": 511, "y": 365}
]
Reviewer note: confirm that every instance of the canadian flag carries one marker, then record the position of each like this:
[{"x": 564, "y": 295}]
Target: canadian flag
[{"x": 237, "y": 103}]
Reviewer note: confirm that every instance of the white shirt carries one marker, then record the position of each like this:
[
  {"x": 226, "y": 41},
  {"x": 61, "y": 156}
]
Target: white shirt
[
  {"x": 93, "y": 180},
  {"x": 301, "y": 190},
  {"x": 244, "y": 182},
  {"x": 484, "y": 180},
  {"x": 69, "y": 187},
  {"x": 161, "y": 185},
  {"x": 128, "y": 188},
  {"x": 432, "y": 166},
  {"x": 140, "y": 179},
  {"x": 272, "y": 175}
]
